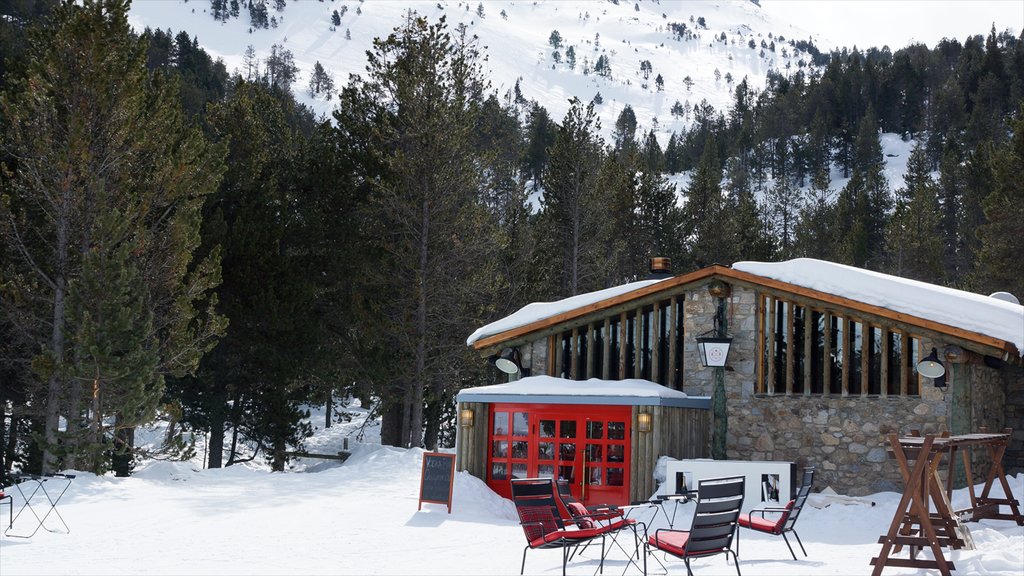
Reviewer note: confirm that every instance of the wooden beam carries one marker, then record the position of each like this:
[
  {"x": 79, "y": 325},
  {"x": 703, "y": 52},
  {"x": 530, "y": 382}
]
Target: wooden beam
[
  {"x": 884, "y": 372},
  {"x": 790, "y": 377},
  {"x": 865, "y": 357},
  {"x": 808, "y": 349},
  {"x": 673, "y": 382},
  {"x": 623, "y": 327},
  {"x": 606, "y": 347},
  {"x": 552, "y": 354},
  {"x": 656, "y": 343},
  {"x": 638, "y": 348},
  {"x": 770, "y": 343},
  {"x": 590, "y": 352},
  {"x": 574, "y": 354},
  {"x": 904, "y": 363},
  {"x": 760, "y": 312},
  {"x": 826, "y": 360},
  {"x": 847, "y": 324}
]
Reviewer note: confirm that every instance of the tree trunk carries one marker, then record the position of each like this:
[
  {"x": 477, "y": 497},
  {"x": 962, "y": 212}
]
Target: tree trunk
[
  {"x": 419, "y": 380},
  {"x": 55, "y": 383},
  {"x": 215, "y": 445},
  {"x": 328, "y": 407}
]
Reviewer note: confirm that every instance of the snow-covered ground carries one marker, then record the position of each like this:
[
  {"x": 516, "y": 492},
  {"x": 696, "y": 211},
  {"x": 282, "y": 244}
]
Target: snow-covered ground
[{"x": 361, "y": 517}]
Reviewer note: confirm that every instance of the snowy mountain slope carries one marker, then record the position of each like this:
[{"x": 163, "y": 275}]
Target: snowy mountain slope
[{"x": 516, "y": 34}]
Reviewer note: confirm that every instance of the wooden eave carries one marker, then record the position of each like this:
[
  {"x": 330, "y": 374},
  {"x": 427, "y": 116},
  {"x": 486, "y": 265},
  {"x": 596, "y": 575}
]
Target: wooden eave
[{"x": 1007, "y": 350}]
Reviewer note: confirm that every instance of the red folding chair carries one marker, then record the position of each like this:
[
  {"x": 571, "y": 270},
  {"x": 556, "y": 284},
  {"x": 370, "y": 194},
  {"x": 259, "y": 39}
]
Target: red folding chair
[
  {"x": 783, "y": 518},
  {"x": 542, "y": 523}
]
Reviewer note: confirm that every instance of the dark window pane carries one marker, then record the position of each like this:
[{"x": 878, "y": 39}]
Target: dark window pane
[
  {"x": 817, "y": 333},
  {"x": 567, "y": 452},
  {"x": 567, "y": 429},
  {"x": 567, "y": 473},
  {"x": 799, "y": 322},
  {"x": 594, "y": 453},
  {"x": 875, "y": 360},
  {"x": 857, "y": 349},
  {"x": 616, "y": 453},
  {"x": 519, "y": 449},
  {"x": 616, "y": 430},
  {"x": 595, "y": 430},
  {"x": 615, "y": 476},
  {"x": 547, "y": 429}
]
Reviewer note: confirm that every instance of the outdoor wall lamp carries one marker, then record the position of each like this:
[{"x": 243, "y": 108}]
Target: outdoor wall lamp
[
  {"x": 643, "y": 422},
  {"x": 931, "y": 367},
  {"x": 713, "y": 351},
  {"x": 510, "y": 362},
  {"x": 466, "y": 417}
]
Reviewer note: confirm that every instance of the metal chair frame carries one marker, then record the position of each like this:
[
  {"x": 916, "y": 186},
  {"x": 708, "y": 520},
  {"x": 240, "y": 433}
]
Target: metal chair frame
[
  {"x": 791, "y": 513},
  {"x": 713, "y": 527}
]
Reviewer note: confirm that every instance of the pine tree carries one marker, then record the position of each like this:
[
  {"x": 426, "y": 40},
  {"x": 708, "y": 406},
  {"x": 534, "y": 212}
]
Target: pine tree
[
  {"x": 415, "y": 114},
  {"x": 913, "y": 237},
  {"x": 100, "y": 230},
  {"x": 704, "y": 215},
  {"x": 570, "y": 204},
  {"x": 999, "y": 259},
  {"x": 864, "y": 204},
  {"x": 815, "y": 231},
  {"x": 320, "y": 81}
]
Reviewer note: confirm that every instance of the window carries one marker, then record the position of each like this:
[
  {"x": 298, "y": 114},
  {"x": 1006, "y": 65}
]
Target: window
[
  {"x": 645, "y": 342},
  {"x": 807, "y": 351}
]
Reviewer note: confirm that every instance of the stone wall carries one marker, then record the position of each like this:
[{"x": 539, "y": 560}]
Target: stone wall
[{"x": 844, "y": 438}]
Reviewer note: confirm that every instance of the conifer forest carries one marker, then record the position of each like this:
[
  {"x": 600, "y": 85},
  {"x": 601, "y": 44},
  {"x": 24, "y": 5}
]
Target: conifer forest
[{"x": 184, "y": 243}]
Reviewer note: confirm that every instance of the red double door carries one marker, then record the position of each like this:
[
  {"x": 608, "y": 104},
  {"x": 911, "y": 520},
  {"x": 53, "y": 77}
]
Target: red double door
[{"x": 586, "y": 445}]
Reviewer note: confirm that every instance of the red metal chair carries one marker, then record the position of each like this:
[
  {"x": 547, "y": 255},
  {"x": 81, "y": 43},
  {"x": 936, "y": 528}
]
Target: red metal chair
[
  {"x": 787, "y": 516},
  {"x": 542, "y": 523},
  {"x": 604, "y": 516},
  {"x": 714, "y": 524}
]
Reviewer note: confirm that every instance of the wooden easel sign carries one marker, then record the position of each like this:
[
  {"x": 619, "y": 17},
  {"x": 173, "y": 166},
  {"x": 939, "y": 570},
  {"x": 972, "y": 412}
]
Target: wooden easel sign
[{"x": 437, "y": 479}]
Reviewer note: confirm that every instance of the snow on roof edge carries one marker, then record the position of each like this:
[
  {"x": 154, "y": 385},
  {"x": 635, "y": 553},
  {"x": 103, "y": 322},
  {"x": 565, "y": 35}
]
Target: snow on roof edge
[
  {"x": 540, "y": 310},
  {"x": 966, "y": 310}
]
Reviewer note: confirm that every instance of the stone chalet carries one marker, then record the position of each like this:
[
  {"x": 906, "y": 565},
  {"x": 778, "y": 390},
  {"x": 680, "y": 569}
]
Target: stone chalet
[{"x": 822, "y": 366}]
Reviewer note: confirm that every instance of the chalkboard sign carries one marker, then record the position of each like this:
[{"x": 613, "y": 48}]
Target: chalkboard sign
[{"x": 437, "y": 479}]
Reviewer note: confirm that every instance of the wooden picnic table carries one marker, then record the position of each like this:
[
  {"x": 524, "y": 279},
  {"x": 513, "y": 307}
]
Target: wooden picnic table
[{"x": 914, "y": 524}]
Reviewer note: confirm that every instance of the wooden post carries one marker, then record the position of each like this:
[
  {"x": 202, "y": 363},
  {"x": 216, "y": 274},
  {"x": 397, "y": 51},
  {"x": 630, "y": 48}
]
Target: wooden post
[
  {"x": 826, "y": 360},
  {"x": 672, "y": 382},
  {"x": 574, "y": 354},
  {"x": 865, "y": 357},
  {"x": 808, "y": 349},
  {"x": 847, "y": 324},
  {"x": 638, "y": 348},
  {"x": 606, "y": 346},
  {"x": 590, "y": 352},
  {"x": 790, "y": 378},
  {"x": 884, "y": 373},
  {"x": 770, "y": 344},
  {"x": 655, "y": 343},
  {"x": 623, "y": 328}
]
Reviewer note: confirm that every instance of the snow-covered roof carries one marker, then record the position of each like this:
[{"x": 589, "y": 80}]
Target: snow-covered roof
[
  {"x": 966, "y": 310},
  {"x": 552, "y": 390},
  {"x": 541, "y": 310},
  {"x": 977, "y": 313}
]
